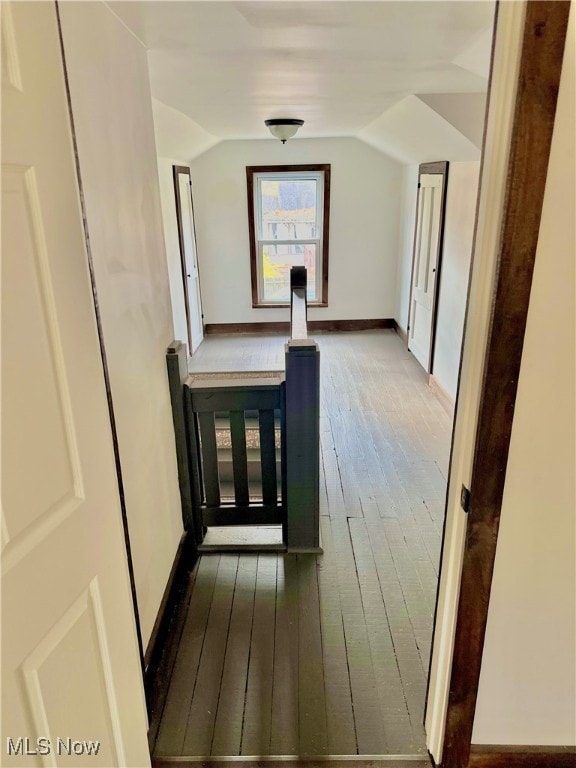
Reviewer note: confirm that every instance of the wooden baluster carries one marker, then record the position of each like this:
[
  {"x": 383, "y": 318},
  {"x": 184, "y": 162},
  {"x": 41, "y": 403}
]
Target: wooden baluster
[
  {"x": 283, "y": 479},
  {"x": 209, "y": 458},
  {"x": 239, "y": 458},
  {"x": 268, "y": 457}
]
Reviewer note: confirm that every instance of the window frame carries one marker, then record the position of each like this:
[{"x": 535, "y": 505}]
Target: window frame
[{"x": 252, "y": 172}]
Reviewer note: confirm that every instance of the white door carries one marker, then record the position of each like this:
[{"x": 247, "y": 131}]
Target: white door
[
  {"x": 426, "y": 251},
  {"x": 189, "y": 257},
  {"x": 70, "y": 662}
]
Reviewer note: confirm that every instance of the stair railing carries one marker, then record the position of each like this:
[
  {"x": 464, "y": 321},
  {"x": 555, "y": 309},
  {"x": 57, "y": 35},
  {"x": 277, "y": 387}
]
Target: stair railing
[
  {"x": 199, "y": 400},
  {"x": 234, "y": 400}
]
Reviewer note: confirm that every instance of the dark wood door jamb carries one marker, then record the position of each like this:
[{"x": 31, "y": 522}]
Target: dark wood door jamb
[{"x": 539, "y": 77}]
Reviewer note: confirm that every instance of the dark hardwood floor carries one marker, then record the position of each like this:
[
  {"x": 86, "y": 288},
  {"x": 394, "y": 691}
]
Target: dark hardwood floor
[{"x": 326, "y": 654}]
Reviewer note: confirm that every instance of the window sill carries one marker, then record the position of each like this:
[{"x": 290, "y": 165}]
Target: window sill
[{"x": 287, "y": 305}]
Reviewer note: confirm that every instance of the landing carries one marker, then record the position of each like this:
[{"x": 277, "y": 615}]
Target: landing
[
  {"x": 325, "y": 655},
  {"x": 239, "y": 353}
]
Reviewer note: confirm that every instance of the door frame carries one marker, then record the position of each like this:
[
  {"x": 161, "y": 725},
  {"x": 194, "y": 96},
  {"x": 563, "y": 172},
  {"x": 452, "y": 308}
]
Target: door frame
[
  {"x": 538, "y": 79},
  {"x": 178, "y": 170},
  {"x": 439, "y": 168},
  {"x": 543, "y": 35}
]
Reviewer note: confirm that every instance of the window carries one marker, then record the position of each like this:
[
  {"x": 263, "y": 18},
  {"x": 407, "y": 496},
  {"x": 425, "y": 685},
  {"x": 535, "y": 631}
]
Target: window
[{"x": 288, "y": 209}]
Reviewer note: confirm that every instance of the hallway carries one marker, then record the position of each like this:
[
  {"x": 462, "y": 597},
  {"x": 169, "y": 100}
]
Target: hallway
[{"x": 324, "y": 654}]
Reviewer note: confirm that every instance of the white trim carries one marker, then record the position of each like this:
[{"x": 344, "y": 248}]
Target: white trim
[
  {"x": 507, "y": 51},
  {"x": 445, "y": 398}
]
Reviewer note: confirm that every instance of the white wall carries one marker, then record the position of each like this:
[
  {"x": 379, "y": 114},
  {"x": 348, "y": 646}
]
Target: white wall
[
  {"x": 461, "y": 197},
  {"x": 413, "y": 132},
  {"x": 112, "y": 111},
  {"x": 465, "y": 111},
  {"x": 177, "y": 135},
  {"x": 364, "y": 221},
  {"x": 527, "y": 691}
]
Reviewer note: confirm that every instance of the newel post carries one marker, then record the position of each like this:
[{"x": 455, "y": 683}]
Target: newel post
[
  {"x": 303, "y": 445},
  {"x": 177, "y": 366}
]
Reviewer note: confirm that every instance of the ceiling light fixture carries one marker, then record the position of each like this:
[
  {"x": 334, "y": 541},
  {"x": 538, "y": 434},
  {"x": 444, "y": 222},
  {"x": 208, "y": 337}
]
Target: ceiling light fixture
[{"x": 283, "y": 128}]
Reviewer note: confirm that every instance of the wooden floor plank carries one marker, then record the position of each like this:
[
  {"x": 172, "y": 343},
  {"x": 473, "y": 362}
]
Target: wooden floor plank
[
  {"x": 258, "y": 710},
  {"x": 393, "y": 706},
  {"x": 426, "y": 569},
  {"x": 230, "y": 713},
  {"x": 179, "y": 698},
  {"x": 159, "y": 692},
  {"x": 336, "y": 505},
  {"x": 284, "y": 738},
  {"x": 415, "y": 596},
  {"x": 340, "y": 725},
  {"x": 406, "y": 650},
  {"x": 369, "y": 736},
  {"x": 200, "y": 726},
  {"x": 311, "y": 697}
]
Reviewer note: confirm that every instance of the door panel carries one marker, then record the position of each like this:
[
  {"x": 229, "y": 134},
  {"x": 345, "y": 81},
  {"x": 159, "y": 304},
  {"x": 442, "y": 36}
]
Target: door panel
[
  {"x": 30, "y": 301},
  {"x": 189, "y": 257},
  {"x": 426, "y": 253},
  {"x": 70, "y": 661},
  {"x": 75, "y": 649}
]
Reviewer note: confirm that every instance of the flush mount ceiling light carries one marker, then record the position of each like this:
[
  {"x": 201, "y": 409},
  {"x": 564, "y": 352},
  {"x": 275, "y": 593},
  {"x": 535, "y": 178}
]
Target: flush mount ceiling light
[{"x": 283, "y": 128}]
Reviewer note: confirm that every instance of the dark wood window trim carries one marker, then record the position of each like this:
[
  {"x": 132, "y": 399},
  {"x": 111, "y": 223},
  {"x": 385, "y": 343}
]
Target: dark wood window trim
[
  {"x": 538, "y": 81},
  {"x": 250, "y": 171}
]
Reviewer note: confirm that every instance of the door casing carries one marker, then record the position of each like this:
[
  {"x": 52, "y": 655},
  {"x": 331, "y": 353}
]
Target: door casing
[
  {"x": 183, "y": 170},
  {"x": 437, "y": 168},
  {"x": 527, "y": 55}
]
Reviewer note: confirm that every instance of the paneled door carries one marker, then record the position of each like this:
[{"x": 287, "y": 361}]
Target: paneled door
[
  {"x": 427, "y": 244},
  {"x": 72, "y": 691},
  {"x": 189, "y": 256}
]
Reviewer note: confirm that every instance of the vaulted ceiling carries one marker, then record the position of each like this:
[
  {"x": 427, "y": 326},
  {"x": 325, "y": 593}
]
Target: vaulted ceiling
[{"x": 343, "y": 67}]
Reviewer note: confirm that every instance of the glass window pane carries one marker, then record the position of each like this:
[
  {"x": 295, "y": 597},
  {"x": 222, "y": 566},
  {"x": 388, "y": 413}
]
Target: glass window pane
[
  {"x": 276, "y": 263},
  {"x": 288, "y": 209}
]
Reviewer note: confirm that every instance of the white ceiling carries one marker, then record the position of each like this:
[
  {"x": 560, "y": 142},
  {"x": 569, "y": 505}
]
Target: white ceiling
[{"x": 337, "y": 65}]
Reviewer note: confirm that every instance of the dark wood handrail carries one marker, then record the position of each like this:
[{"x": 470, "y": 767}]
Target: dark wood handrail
[
  {"x": 298, "y": 303},
  {"x": 302, "y": 416}
]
